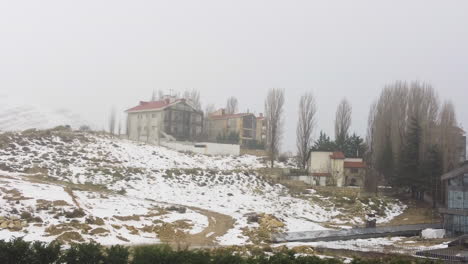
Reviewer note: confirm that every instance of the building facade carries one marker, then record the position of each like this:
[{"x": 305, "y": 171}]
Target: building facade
[
  {"x": 171, "y": 119},
  {"x": 455, "y": 210},
  {"x": 227, "y": 128},
  {"x": 333, "y": 168},
  {"x": 355, "y": 172}
]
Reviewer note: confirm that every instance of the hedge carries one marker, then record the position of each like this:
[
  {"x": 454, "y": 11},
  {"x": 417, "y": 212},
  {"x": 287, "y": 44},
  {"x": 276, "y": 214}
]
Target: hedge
[{"x": 18, "y": 251}]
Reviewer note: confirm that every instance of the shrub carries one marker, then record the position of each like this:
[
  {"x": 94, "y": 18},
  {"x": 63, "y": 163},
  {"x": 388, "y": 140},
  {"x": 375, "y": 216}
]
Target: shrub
[
  {"x": 89, "y": 253},
  {"x": 17, "y": 251},
  {"x": 45, "y": 254},
  {"x": 116, "y": 255}
]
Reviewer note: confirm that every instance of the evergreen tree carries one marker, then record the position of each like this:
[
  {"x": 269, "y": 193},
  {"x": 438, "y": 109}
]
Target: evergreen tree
[
  {"x": 323, "y": 143},
  {"x": 410, "y": 174}
]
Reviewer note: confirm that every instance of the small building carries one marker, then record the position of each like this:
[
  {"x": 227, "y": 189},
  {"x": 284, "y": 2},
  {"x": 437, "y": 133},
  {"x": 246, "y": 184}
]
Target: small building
[
  {"x": 355, "y": 172},
  {"x": 455, "y": 210},
  {"x": 328, "y": 164},
  {"x": 170, "y": 118},
  {"x": 238, "y": 128}
]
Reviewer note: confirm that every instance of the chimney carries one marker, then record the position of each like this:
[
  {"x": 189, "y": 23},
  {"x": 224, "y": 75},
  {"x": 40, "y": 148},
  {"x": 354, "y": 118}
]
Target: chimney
[{"x": 223, "y": 111}]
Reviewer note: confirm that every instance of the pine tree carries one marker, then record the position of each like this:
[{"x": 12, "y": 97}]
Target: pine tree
[
  {"x": 410, "y": 174},
  {"x": 323, "y": 143}
]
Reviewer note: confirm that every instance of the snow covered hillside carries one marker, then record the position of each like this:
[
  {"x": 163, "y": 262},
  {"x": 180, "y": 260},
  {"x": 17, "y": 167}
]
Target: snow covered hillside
[
  {"x": 74, "y": 186},
  {"x": 15, "y": 116}
]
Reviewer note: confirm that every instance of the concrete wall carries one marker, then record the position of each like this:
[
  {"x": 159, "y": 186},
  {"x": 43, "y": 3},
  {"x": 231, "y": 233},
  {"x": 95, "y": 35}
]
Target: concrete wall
[
  {"x": 320, "y": 162},
  {"x": 337, "y": 166},
  {"x": 145, "y": 126},
  {"x": 204, "y": 148},
  {"x": 311, "y": 180}
]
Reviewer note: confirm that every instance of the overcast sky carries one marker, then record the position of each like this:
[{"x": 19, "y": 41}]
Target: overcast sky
[{"x": 90, "y": 55}]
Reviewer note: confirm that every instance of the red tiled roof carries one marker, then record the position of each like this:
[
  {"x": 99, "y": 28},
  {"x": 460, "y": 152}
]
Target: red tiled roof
[
  {"x": 217, "y": 117},
  {"x": 355, "y": 164},
  {"x": 321, "y": 174},
  {"x": 337, "y": 155},
  {"x": 152, "y": 105}
]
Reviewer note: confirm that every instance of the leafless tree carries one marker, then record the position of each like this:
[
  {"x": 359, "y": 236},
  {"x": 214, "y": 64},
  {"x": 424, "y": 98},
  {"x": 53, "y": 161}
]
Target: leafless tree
[
  {"x": 274, "y": 122},
  {"x": 209, "y": 109},
  {"x": 112, "y": 120},
  {"x": 193, "y": 96},
  {"x": 120, "y": 128},
  {"x": 450, "y": 136},
  {"x": 305, "y": 127},
  {"x": 231, "y": 105},
  {"x": 342, "y": 121}
]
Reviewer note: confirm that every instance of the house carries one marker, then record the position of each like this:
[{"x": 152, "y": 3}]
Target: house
[
  {"x": 355, "y": 172},
  {"x": 327, "y": 167},
  {"x": 455, "y": 210},
  {"x": 170, "y": 118},
  {"x": 238, "y": 128},
  {"x": 333, "y": 168}
]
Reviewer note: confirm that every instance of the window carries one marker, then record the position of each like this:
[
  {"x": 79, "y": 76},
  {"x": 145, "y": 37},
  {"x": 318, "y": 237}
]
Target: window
[{"x": 354, "y": 170}]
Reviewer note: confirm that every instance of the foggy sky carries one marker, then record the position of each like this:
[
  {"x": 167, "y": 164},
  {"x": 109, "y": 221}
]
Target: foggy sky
[{"x": 88, "y": 56}]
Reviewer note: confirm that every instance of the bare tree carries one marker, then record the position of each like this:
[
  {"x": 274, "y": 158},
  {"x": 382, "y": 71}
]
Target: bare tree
[
  {"x": 120, "y": 128},
  {"x": 305, "y": 127},
  {"x": 450, "y": 135},
  {"x": 209, "y": 108},
  {"x": 193, "y": 96},
  {"x": 274, "y": 122},
  {"x": 342, "y": 121},
  {"x": 231, "y": 105},
  {"x": 112, "y": 120}
]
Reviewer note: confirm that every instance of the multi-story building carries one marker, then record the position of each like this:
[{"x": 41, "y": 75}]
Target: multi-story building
[
  {"x": 455, "y": 209},
  {"x": 168, "y": 118},
  {"x": 238, "y": 128}
]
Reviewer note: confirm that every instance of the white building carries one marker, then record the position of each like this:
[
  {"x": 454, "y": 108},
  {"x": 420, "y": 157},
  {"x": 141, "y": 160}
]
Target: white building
[{"x": 172, "y": 119}]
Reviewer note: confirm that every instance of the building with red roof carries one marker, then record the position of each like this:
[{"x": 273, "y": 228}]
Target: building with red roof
[
  {"x": 333, "y": 168},
  {"x": 169, "y": 118}
]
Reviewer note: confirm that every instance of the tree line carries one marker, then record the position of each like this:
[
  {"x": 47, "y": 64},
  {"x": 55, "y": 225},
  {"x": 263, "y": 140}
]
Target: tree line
[{"x": 413, "y": 137}]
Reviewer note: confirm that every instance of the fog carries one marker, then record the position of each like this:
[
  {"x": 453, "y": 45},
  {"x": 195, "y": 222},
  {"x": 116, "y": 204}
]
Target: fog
[{"x": 88, "y": 56}]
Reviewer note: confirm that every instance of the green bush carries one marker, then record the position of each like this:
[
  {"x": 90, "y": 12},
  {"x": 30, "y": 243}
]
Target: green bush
[
  {"x": 116, "y": 255},
  {"x": 89, "y": 253},
  {"x": 45, "y": 253},
  {"x": 17, "y": 251}
]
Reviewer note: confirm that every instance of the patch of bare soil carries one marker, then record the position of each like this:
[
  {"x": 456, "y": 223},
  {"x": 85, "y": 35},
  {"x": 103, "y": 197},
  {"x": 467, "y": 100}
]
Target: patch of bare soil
[
  {"x": 219, "y": 225},
  {"x": 418, "y": 212}
]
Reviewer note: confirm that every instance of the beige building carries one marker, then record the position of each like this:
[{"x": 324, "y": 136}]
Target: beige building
[
  {"x": 355, "y": 172},
  {"x": 232, "y": 128},
  {"x": 261, "y": 130},
  {"x": 327, "y": 168},
  {"x": 332, "y": 168},
  {"x": 171, "y": 119}
]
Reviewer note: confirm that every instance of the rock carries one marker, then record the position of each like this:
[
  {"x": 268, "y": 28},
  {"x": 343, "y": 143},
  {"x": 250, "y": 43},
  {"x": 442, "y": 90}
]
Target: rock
[
  {"x": 11, "y": 225},
  {"x": 4, "y": 225}
]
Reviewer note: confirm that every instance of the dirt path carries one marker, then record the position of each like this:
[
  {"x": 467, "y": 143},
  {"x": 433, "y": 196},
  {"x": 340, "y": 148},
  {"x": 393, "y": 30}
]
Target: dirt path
[
  {"x": 418, "y": 212},
  {"x": 219, "y": 224}
]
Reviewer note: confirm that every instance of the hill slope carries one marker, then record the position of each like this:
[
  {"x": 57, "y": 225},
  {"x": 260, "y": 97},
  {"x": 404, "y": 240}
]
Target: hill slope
[{"x": 87, "y": 186}]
